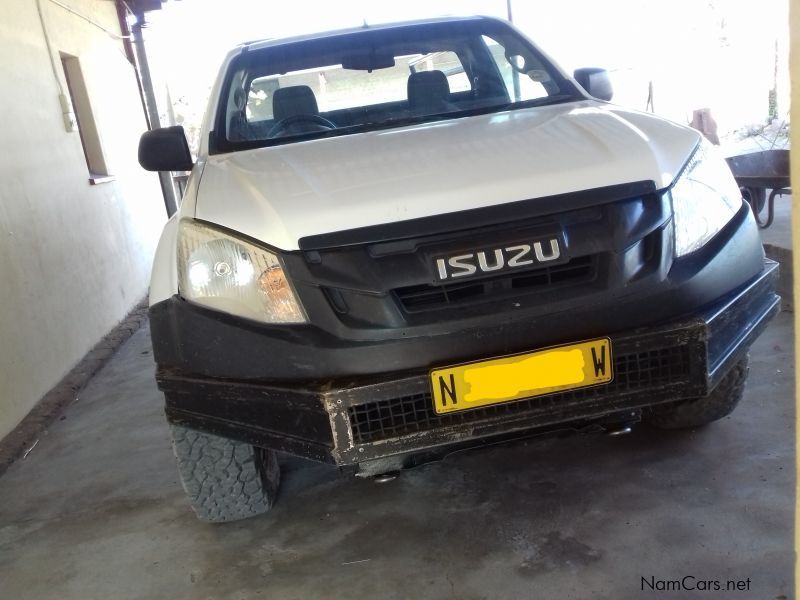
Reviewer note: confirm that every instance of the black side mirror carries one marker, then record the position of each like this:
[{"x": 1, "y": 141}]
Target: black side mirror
[
  {"x": 165, "y": 150},
  {"x": 596, "y": 82}
]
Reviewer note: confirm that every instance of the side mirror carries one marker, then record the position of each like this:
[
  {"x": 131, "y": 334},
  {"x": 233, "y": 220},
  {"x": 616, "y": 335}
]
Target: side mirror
[
  {"x": 596, "y": 82},
  {"x": 165, "y": 150}
]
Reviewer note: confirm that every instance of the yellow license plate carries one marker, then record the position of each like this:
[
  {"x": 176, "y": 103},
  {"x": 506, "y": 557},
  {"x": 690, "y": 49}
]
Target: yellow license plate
[{"x": 521, "y": 376}]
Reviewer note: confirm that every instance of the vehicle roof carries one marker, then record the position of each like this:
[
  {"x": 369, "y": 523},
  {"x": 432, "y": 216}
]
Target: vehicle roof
[{"x": 269, "y": 42}]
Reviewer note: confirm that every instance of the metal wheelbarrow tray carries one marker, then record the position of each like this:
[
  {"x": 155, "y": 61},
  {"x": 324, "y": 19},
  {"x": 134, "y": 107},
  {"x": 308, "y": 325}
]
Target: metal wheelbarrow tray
[{"x": 757, "y": 172}]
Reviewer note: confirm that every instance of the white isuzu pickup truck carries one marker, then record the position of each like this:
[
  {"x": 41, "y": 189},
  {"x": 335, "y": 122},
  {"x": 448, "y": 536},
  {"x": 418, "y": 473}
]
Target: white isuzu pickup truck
[{"x": 402, "y": 240}]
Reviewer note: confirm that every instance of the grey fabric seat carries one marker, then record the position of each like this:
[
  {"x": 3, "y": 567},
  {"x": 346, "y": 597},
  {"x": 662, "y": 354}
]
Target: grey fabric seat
[
  {"x": 429, "y": 93},
  {"x": 289, "y": 107},
  {"x": 293, "y": 100}
]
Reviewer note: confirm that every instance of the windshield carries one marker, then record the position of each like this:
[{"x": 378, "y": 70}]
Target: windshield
[{"x": 352, "y": 82}]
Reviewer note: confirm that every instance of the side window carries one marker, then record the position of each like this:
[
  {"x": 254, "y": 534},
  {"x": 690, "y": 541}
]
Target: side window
[
  {"x": 522, "y": 75},
  {"x": 259, "y": 98},
  {"x": 84, "y": 117},
  {"x": 446, "y": 62}
]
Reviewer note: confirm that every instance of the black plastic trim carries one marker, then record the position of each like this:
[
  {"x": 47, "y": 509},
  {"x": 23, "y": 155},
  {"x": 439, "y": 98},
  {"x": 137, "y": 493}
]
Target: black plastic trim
[
  {"x": 312, "y": 419},
  {"x": 201, "y": 341},
  {"x": 477, "y": 217}
]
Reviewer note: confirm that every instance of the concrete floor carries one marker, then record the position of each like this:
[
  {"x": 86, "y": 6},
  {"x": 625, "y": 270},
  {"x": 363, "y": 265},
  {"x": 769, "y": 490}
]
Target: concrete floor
[{"x": 96, "y": 511}]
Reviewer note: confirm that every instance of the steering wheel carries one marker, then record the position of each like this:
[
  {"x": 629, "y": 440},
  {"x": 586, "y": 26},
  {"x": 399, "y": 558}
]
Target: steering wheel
[{"x": 284, "y": 124}]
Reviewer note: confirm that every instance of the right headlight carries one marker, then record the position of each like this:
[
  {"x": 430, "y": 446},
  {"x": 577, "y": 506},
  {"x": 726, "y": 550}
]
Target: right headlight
[
  {"x": 223, "y": 272},
  {"x": 704, "y": 199}
]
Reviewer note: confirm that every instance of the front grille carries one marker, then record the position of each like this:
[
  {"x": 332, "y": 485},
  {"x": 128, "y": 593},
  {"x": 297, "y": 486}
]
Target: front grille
[
  {"x": 637, "y": 372},
  {"x": 418, "y": 298}
]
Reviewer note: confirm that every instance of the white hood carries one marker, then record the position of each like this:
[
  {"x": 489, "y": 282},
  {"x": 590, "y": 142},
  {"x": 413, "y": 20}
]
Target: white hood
[{"x": 283, "y": 193}]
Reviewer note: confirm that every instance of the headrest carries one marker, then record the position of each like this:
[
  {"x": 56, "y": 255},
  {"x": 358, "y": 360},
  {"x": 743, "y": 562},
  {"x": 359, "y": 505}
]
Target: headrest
[
  {"x": 293, "y": 100},
  {"x": 427, "y": 88}
]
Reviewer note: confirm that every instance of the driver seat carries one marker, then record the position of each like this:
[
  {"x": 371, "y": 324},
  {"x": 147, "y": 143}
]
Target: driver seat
[
  {"x": 293, "y": 100},
  {"x": 429, "y": 93}
]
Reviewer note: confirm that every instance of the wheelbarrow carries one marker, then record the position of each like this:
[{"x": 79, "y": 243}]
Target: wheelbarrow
[{"x": 757, "y": 172}]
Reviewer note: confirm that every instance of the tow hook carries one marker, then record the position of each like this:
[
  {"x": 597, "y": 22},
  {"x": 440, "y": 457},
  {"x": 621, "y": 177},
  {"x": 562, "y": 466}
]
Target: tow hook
[
  {"x": 623, "y": 424},
  {"x": 619, "y": 429}
]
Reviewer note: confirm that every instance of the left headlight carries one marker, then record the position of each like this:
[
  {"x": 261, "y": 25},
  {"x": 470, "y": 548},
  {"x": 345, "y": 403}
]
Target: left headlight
[
  {"x": 704, "y": 199},
  {"x": 228, "y": 274}
]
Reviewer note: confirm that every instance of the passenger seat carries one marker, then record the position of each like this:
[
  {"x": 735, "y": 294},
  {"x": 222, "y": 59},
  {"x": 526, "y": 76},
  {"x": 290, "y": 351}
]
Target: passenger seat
[{"x": 429, "y": 93}]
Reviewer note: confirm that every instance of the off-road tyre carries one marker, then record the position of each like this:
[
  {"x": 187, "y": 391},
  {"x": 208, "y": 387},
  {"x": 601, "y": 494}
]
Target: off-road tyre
[
  {"x": 701, "y": 411},
  {"x": 225, "y": 480}
]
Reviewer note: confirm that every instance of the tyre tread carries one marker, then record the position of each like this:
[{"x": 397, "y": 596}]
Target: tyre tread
[{"x": 225, "y": 480}]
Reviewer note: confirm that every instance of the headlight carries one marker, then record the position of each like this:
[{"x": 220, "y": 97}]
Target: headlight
[
  {"x": 225, "y": 273},
  {"x": 704, "y": 199}
]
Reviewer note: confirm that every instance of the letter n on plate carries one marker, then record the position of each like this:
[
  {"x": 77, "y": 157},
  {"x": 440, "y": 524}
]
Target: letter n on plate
[{"x": 447, "y": 389}]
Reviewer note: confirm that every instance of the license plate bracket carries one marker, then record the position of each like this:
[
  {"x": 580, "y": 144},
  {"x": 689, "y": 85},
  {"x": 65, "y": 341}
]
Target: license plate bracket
[{"x": 546, "y": 371}]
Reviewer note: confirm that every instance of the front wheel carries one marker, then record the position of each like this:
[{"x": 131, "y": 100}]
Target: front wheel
[
  {"x": 225, "y": 480},
  {"x": 701, "y": 411}
]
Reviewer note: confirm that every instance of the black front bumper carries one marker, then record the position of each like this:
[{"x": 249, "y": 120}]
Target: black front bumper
[{"x": 372, "y": 417}]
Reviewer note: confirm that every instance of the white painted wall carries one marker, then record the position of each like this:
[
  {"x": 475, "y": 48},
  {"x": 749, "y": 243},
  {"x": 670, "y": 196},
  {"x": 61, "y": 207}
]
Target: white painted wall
[{"x": 74, "y": 258}]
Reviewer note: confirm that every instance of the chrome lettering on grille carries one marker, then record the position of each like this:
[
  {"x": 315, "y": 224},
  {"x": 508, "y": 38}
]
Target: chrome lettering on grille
[
  {"x": 555, "y": 251},
  {"x": 497, "y": 259},
  {"x": 457, "y": 262},
  {"x": 516, "y": 259}
]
